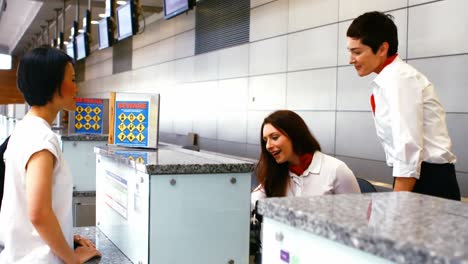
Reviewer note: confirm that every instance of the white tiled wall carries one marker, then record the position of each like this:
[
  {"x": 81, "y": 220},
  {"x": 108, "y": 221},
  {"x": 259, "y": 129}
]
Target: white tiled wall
[{"x": 296, "y": 59}]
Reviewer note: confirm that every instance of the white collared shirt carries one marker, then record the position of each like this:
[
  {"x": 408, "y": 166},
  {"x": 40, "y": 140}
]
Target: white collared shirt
[
  {"x": 325, "y": 175},
  {"x": 409, "y": 120}
]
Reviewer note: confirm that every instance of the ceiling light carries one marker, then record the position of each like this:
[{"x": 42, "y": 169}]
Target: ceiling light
[
  {"x": 94, "y": 22},
  {"x": 5, "y": 62},
  {"x": 121, "y": 2},
  {"x": 81, "y": 31},
  {"x": 102, "y": 15}
]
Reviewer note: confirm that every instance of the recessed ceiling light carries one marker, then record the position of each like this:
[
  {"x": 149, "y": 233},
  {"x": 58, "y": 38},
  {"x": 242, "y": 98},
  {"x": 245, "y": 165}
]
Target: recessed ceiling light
[
  {"x": 102, "y": 15},
  {"x": 121, "y": 2},
  {"x": 94, "y": 22}
]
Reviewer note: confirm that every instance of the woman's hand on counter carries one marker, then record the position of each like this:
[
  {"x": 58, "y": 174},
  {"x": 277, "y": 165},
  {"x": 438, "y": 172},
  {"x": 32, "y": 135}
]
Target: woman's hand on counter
[
  {"x": 85, "y": 253},
  {"x": 81, "y": 241}
]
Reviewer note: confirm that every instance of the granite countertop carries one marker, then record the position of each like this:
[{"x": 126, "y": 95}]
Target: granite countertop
[
  {"x": 110, "y": 253},
  {"x": 83, "y": 137},
  {"x": 84, "y": 193},
  {"x": 170, "y": 159},
  {"x": 400, "y": 226}
]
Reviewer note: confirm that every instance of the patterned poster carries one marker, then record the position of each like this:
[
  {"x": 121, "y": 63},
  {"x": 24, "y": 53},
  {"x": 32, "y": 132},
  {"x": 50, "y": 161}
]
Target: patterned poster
[
  {"x": 131, "y": 123},
  {"x": 88, "y": 116}
]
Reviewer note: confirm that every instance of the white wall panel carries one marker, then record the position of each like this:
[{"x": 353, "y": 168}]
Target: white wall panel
[
  {"x": 439, "y": 28},
  {"x": 185, "y": 70},
  {"x": 234, "y": 62},
  {"x": 183, "y": 115},
  {"x": 165, "y": 51},
  {"x": 254, "y": 3},
  {"x": 369, "y": 169},
  {"x": 267, "y": 92},
  {"x": 232, "y": 95},
  {"x": 254, "y": 124},
  {"x": 150, "y": 36},
  {"x": 322, "y": 126},
  {"x": 184, "y": 22},
  {"x": 101, "y": 69},
  {"x": 353, "y": 8},
  {"x": 304, "y": 14},
  {"x": 203, "y": 107},
  {"x": 268, "y": 56},
  {"x": 166, "y": 28},
  {"x": 313, "y": 48},
  {"x": 145, "y": 56},
  {"x": 185, "y": 44},
  {"x": 353, "y": 92},
  {"x": 356, "y": 137},
  {"x": 458, "y": 126},
  {"x": 417, "y": 2},
  {"x": 452, "y": 91},
  {"x": 232, "y": 126},
  {"x": 311, "y": 90},
  {"x": 269, "y": 20},
  {"x": 206, "y": 66}
]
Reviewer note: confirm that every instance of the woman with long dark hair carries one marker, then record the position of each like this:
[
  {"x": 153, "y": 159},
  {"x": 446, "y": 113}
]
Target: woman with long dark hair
[{"x": 291, "y": 162}]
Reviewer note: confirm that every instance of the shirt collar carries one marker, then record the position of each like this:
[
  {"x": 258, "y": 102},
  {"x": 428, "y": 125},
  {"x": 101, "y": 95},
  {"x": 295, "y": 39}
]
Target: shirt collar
[
  {"x": 388, "y": 67},
  {"x": 314, "y": 167}
]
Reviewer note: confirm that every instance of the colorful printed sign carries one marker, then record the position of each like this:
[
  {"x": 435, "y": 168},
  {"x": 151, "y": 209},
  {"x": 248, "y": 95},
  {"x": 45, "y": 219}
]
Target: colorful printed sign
[
  {"x": 88, "y": 116},
  {"x": 138, "y": 157},
  {"x": 131, "y": 123}
]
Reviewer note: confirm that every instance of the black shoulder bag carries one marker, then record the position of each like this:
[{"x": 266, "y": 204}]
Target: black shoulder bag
[
  {"x": 255, "y": 231},
  {"x": 2, "y": 168}
]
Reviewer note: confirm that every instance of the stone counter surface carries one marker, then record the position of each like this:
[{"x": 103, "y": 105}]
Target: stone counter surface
[
  {"x": 400, "y": 226},
  {"x": 171, "y": 159},
  {"x": 83, "y": 137},
  {"x": 110, "y": 253}
]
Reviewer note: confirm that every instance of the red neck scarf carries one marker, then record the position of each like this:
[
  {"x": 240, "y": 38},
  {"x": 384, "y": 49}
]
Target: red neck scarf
[
  {"x": 386, "y": 63},
  {"x": 304, "y": 162}
]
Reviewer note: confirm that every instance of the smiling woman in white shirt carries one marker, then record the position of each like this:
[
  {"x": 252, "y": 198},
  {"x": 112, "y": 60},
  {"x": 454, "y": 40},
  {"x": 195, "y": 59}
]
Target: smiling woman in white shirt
[
  {"x": 291, "y": 163},
  {"x": 409, "y": 118}
]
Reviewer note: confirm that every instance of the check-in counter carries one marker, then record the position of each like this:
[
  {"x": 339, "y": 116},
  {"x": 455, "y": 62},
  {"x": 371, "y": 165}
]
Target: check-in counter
[
  {"x": 173, "y": 205},
  {"x": 78, "y": 151},
  {"x": 393, "y": 227}
]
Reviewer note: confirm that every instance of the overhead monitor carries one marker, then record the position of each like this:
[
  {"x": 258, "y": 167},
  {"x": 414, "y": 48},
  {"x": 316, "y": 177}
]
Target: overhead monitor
[
  {"x": 127, "y": 20},
  {"x": 70, "y": 49},
  {"x": 105, "y": 32},
  {"x": 82, "y": 46},
  {"x": 173, "y": 8}
]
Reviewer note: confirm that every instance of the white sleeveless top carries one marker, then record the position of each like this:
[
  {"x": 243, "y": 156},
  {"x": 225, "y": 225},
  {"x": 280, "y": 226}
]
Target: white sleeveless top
[{"x": 21, "y": 241}]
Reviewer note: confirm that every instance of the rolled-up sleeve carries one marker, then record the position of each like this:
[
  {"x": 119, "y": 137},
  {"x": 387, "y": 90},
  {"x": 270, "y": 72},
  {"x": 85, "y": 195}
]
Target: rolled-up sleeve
[{"x": 407, "y": 126}]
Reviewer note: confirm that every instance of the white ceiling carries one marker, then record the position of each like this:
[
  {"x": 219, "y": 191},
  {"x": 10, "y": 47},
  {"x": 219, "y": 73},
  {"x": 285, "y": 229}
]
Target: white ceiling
[{"x": 20, "y": 23}]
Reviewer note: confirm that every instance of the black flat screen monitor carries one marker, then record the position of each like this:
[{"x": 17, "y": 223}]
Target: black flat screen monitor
[
  {"x": 127, "y": 20},
  {"x": 82, "y": 46},
  {"x": 106, "y": 36},
  {"x": 71, "y": 49},
  {"x": 173, "y": 8}
]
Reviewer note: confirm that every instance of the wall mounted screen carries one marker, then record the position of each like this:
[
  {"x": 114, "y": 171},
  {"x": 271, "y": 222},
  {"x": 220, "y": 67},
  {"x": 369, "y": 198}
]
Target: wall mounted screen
[
  {"x": 174, "y": 7},
  {"x": 124, "y": 18},
  {"x": 81, "y": 47},
  {"x": 71, "y": 49},
  {"x": 104, "y": 34}
]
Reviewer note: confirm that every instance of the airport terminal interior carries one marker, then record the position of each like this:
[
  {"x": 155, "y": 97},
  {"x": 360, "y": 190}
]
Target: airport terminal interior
[{"x": 165, "y": 142}]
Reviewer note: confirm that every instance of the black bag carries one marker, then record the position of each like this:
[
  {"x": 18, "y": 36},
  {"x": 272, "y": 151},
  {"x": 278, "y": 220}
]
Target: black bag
[
  {"x": 2, "y": 168},
  {"x": 255, "y": 248}
]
